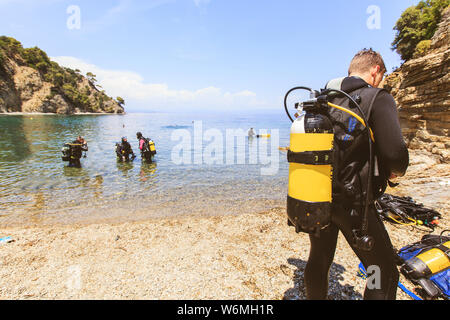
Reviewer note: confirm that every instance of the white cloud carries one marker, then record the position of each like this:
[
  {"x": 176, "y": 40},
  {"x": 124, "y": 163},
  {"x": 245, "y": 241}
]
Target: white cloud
[{"x": 141, "y": 95}]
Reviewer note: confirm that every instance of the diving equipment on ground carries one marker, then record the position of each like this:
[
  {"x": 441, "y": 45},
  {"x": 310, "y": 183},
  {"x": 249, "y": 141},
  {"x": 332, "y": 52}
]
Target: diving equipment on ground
[
  {"x": 362, "y": 273},
  {"x": 427, "y": 264},
  {"x": 405, "y": 211},
  {"x": 312, "y": 157}
]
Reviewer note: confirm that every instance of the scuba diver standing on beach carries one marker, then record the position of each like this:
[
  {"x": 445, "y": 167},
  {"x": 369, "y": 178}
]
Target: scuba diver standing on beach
[
  {"x": 147, "y": 147},
  {"x": 124, "y": 150},
  {"x": 76, "y": 150},
  {"x": 340, "y": 203}
]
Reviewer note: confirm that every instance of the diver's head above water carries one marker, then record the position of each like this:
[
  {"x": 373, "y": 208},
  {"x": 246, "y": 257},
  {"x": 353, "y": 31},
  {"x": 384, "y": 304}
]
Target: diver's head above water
[{"x": 81, "y": 140}]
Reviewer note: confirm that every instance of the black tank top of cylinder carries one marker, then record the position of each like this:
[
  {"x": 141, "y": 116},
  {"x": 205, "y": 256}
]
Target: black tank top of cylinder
[{"x": 317, "y": 123}]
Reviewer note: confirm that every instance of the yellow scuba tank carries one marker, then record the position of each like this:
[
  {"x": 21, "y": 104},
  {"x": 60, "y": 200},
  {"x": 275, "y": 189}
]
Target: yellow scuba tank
[
  {"x": 429, "y": 262},
  {"x": 152, "y": 146},
  {"x": 312, "y": 162},
  {"x": 310, "y": 173}
]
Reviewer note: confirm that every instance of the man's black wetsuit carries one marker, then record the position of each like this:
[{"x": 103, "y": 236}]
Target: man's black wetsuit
[
  {"x": 393, "y": 158},
  {"x": 124, "y": 150},
  {"x": 76, "y": 152}
]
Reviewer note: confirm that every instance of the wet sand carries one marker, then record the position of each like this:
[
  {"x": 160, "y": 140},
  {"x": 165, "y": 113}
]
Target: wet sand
[{"x": 247, "y": 256}]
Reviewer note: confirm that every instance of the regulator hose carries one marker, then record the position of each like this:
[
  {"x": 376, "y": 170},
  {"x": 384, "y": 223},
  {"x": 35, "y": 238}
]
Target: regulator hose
[
  {"x": 353, "y": 115},
  {"x": 287, "y": 95}
]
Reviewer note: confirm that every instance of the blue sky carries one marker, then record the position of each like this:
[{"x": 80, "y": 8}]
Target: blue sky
[{"x": 200, "y": 54}]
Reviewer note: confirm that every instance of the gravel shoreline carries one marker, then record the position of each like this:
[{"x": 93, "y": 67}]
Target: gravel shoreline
[{"x": 248, "y": 256}]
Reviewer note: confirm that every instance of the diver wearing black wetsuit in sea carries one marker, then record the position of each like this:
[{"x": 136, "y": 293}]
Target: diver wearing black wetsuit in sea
[
  {"x": 76, "y": 152},
  {"x": 124, "y": 150}
]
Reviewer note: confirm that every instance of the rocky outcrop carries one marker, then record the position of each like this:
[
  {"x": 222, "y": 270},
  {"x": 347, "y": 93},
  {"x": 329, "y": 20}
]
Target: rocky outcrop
[
  {"x": 24, "y": 87},
  {"x": 421, "y": 87}
]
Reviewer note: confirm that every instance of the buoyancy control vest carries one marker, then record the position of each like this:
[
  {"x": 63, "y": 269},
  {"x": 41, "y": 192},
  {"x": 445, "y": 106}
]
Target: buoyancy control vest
[
  {"x": 351, "y": 151},
  {"x": 147, "y": 145}
]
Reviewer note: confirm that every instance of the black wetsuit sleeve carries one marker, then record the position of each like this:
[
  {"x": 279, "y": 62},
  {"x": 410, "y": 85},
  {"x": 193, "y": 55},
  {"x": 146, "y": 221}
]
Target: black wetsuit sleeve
[{"x": 391, "y": 148}]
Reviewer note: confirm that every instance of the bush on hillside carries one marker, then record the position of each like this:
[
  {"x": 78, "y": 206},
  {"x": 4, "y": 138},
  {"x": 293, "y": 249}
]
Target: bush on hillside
[{"x": 416, "y": 24}]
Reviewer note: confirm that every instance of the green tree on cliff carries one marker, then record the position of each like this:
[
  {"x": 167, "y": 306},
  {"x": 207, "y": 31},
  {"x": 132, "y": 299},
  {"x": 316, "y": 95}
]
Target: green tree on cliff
[
  {"x": 120, "y": 101},
  {"x": 91, "y": 77},
  {"x": 416, "y": 24}
]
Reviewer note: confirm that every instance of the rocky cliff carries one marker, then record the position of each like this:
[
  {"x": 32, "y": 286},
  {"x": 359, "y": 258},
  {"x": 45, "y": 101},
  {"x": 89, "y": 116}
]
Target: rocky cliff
[
  {"x": 421, "y": 87},
  {"x": 30, "y": 82}
]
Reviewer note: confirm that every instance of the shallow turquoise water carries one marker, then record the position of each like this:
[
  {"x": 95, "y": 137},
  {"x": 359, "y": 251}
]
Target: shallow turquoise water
[{"x": 36, "y": 187}]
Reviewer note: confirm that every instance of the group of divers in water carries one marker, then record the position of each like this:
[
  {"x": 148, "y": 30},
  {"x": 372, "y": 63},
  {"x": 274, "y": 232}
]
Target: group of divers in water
[{"x": 73, "y": 152}]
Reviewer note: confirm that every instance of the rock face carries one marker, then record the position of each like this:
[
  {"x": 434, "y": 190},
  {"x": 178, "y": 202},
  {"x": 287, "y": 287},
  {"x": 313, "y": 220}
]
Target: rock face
[
  {"x": 421, "y": 88},
  {"x": 24, "y": 87}
]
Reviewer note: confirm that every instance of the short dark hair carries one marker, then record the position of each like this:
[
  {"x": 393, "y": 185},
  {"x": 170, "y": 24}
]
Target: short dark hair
[{"x": 366, "y": 59}]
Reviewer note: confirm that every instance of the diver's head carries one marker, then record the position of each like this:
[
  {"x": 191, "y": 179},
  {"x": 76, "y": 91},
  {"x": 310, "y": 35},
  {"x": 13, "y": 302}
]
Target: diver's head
[
  {"x": 139, "y": 135},
  {"x": 369, "y": 66},
  {"x": 124, "y": 139},
  {"x": 80, "y": 139}
]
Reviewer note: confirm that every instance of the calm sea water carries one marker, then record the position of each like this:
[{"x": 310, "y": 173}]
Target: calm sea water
[{"x": 36, "y": 187}]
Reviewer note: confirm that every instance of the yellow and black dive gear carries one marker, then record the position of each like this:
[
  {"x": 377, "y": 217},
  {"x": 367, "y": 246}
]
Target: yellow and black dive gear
[
  {"x": 67, "y": 151},
  {"x": 405, "y": 211},
  {"x": 148, "y": 150},
  {"x": 312, "y": 161},
  {"x": 427, "y": 264},
  {"x": 310, "y": 173},
  {"x": 152, "y": 146}
]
